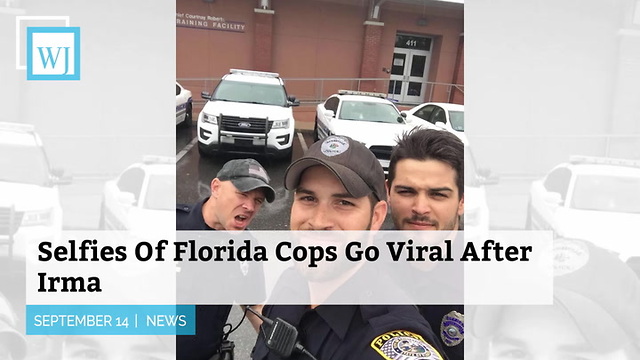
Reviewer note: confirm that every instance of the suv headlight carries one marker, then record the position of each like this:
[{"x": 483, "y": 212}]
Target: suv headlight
[
  {"x": 280, "y": 124},
  {"x": 211, "y": 119},
  {"x": 38, "y": 217}
]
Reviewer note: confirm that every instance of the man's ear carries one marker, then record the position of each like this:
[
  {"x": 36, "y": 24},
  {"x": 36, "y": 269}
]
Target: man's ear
[
  {"x": 379, "y": 214},
  {"x": 387, "y": 186},
  {"x": 461, "y": 206},
  {"x": 215, "y": 188}
]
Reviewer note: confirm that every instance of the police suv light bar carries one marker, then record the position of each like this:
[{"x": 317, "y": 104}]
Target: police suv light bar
[
  {"x": 156, "y": 159},
  {"x": 581, "y": 159},
  {"x": 27, "y": 128},
  {"x": 364, "y": 93},
  {"x": 254, "y": 73}
]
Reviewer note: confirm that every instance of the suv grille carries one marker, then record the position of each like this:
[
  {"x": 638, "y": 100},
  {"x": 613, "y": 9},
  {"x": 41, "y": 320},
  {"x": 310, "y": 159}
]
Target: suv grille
[
  {"x": 382, "y": 152},
  {"x": 245, "y": 125},
  {"x": 9, "y": 221}
]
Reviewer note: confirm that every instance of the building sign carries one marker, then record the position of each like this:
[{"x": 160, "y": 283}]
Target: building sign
[
  {"x": 413, "y": 42},
  {"x": 208, "y": 22}
]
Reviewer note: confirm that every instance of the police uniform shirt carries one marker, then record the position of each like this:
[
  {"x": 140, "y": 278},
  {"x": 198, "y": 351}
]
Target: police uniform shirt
[
  {"x": 210, "y": 319},
  {"x": 353, "y": 331}
]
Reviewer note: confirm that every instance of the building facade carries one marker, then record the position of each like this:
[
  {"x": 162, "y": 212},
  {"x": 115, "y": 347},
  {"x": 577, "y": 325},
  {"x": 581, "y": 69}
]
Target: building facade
[{"x": 409, "y": 49}]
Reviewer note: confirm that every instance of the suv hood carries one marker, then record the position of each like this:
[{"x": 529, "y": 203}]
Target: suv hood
[
  {"x": 371, "y": 133},
  {"x": 26, "y": 197},
  {"x": 273, "y": 112},
  {"x": 615, "y": 231}
]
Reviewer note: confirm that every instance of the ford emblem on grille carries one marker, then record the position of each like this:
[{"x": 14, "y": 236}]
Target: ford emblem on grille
[{"x": 244, "y": 124}]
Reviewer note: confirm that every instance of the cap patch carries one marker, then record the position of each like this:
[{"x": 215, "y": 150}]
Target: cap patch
[
  {"x": 452, "y": 328},
  {"x": 334, "y": 145},
  {"x": 258, "y": 171},
  {"x": 404, "y": 345},
  {"x": 569, "y": 256}
]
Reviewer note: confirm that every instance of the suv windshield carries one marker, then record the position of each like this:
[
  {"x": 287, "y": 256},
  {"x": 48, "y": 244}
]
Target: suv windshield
[
  {"x": 23, "y": 164},
  {"x": 159, "y": 187},
  {"x": 607, "y": 193},
  {"x": 237, "y": 91},
  {"x": 369, "y": 111}
]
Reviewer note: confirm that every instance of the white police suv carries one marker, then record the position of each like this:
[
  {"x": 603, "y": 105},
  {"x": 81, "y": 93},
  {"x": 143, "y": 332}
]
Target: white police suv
[
  {"x": 142, "y": 198},
  {"x": 590, "y": 198},
  {"x": 29, "y": 199},
  {"x": 184, "y": 109},
  {"x": 248, "y": 112},
  {"x": 363, "y": 116}
]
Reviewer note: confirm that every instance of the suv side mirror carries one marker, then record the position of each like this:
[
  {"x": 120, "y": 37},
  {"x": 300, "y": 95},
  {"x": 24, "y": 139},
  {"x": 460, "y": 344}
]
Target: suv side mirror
[
  {"x": 58, "y": 177},
  {"x": 292, "y": 101},
  {"x": 205, "y": 95},
  {"x": 329, "y": 114},
  {"x": 553, "y": 198},
  {"x": 127, "y": 199},
  {"x": 486, "y": 177}
]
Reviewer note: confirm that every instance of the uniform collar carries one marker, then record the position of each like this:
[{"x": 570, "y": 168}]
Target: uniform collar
[
  {"x": 196, "y": 218},
  {"x": 338, "y": 317}
]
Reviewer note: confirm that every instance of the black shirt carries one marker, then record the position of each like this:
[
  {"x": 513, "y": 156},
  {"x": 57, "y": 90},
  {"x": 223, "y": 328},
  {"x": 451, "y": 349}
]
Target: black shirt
[{"x": 210, "y": 319}]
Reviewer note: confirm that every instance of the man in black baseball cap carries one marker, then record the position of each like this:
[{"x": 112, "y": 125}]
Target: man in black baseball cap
[
  {"x": 595, "y": 312},
  {"x": 339, "y": 185},
  {"x": 237, "y": 194}
]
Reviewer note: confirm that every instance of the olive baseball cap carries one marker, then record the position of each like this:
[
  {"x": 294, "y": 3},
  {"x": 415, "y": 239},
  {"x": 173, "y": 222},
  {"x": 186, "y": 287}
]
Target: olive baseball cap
[
  {"x": 598, "y": 291},
  {"x": 247, "y": 175},
  {"x": 349, "y": 160}
]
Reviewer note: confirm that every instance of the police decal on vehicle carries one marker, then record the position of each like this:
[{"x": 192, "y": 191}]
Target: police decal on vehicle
[{"x": 404, "y": 345}]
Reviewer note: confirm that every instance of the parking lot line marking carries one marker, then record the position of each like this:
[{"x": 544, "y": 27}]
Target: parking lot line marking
[
  {"x": 302, "y": 142},
  {"x": 186, "y": 149}
]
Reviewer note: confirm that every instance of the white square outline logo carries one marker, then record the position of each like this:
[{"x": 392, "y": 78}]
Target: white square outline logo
[
  {"x": 19, "y": 19},
  {"x": 75, "y": 31}
]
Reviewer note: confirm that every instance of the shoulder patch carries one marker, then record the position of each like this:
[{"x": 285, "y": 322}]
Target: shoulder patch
[{"x": 404, "y": 345}]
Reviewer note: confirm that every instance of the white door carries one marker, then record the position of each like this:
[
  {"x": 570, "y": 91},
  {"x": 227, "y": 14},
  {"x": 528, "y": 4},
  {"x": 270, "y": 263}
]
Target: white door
[{"x": 410, "y": 69}]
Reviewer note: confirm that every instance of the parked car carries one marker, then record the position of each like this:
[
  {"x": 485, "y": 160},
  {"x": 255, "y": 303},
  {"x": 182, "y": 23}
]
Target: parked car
[
  {"x": 248, "y": 112},
  {"x": 441, "y": 116},
  {"x": 142, "y": 198},
  {"x": 30, "y": 207},
  {"x": 184, "y": 107},
  {"x": 590, "y": 198},
  {"x": 366, "y": 117}
]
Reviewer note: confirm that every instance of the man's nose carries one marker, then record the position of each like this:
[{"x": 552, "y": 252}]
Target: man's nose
[
  {"x": 322, "y": 219},
  {"x": 249, "y": 205},
  {"x": 422, "y": 204}
]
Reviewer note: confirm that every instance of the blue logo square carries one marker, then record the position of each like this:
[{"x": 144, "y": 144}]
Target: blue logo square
[{"x": 53, "y": 53}]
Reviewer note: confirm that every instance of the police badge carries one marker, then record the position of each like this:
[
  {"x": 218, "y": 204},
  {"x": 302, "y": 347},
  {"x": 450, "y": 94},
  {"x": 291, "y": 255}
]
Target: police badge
[{"x": 452, "y": 328}]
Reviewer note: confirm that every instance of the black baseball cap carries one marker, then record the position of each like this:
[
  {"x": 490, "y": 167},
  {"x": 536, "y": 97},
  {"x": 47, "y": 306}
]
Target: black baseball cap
[
  {"x": 598, "y": 291},
  {"x": 350, "y": 161},
  {"x": 247, "y": 175}
]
